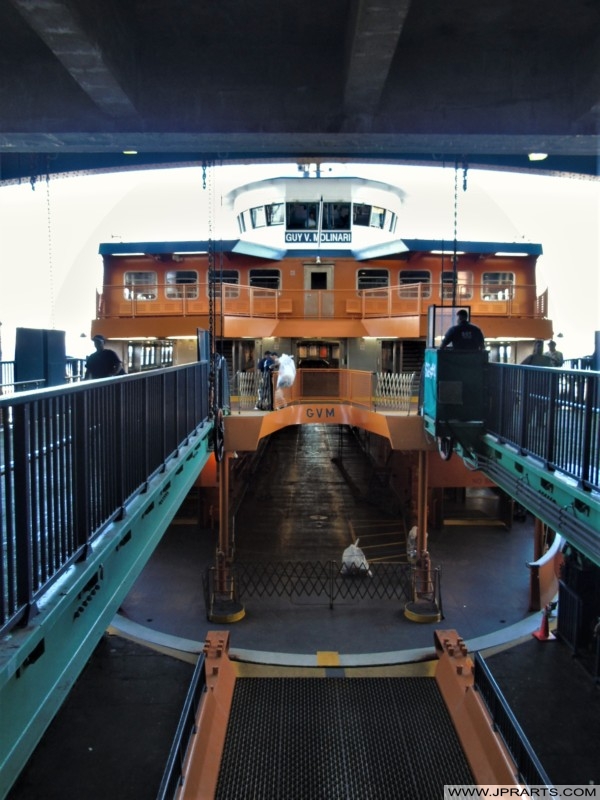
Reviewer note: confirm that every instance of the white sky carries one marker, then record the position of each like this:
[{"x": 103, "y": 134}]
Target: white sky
[{"x": 49, "y": 237}]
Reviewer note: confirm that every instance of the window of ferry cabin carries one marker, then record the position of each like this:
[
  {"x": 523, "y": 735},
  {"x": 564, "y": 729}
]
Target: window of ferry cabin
[
  {"x": 265, "y": 278},
  {"x": 464, "y": 285},
  {"x": 373, "y": 279},
  {"x": 181, "y": 283},
  {"x": 230, "y": 279},
  {"x": 411, "y": 280},
  {"x": 140, "y": 285},
  {"x": 336, "y": 216},
  {"x": 497, "y": 285}
]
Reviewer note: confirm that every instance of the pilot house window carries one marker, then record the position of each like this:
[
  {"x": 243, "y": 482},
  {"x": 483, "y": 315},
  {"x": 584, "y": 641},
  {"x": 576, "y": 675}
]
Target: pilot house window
[
  {"x": 140, "y": 286},
  {"x": 336, "y": 216},
  {"x": 370, "y": 216}
]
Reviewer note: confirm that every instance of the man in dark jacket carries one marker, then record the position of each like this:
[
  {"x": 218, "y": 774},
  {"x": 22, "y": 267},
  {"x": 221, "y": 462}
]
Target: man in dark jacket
[
  {"x": 265, "y": 386},
  {"x": 104, "y": 363},
  {"x": 464, "y": 335}
]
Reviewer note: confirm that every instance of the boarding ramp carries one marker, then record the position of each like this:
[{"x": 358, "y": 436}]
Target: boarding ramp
[{"x": 402, "y": 731}]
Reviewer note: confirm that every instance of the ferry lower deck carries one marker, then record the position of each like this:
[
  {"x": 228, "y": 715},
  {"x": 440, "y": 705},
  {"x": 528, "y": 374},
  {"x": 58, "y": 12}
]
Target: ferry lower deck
[{"x": 113, "y": 734}]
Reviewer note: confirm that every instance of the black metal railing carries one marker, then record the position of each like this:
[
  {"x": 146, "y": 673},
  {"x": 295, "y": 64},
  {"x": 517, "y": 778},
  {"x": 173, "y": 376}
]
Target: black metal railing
[
  {"x": 298, "y": 580},
  {"x": 570, "y": 617},
  {"x": 71, "y": 458},
  {"x": 552, "y": 414},
  {"x": 529, "y": 768},
  {"x": 173, "y": 775}
]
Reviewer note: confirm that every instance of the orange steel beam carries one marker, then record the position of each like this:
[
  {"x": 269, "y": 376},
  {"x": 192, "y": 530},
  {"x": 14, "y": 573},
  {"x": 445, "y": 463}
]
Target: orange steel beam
[
  {"x": 203, "y": 757},
  {"x": 244, "y": 431},
  {"x": 422, "y": 504},
  {"x": 489, "y": 760}
]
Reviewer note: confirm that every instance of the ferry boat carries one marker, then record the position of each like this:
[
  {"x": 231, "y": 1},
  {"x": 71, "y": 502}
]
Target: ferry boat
[{"x": 322, "y": 268}]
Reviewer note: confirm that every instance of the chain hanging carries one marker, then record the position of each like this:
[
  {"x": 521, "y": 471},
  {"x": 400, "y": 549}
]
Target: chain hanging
[
  {"x": 455, "y": 234},
  {"x": 208, "y": 184},
  {"x": 50, "y": 254}
]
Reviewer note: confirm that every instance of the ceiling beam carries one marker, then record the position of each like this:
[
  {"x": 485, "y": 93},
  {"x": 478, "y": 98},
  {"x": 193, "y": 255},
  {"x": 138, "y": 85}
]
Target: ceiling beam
[
  {"x": 80, "y": 54},
  {"x": 372, "y": 38}
]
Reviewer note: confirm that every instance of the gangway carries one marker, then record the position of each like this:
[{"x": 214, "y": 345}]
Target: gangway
[
  {"x": 535, "y": 431},
  {"x": 342, "y": 732}
]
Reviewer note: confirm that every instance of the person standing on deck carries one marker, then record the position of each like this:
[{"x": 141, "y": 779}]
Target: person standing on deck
[
  {"x": 104, "y": 363},
  {"x": 464, "y": 335},
  {"x": 554, "y": 355}
]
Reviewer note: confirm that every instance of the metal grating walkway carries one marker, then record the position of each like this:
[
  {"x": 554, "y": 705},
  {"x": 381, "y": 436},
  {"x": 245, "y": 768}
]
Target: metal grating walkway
[{"x": 333, "y": 738}]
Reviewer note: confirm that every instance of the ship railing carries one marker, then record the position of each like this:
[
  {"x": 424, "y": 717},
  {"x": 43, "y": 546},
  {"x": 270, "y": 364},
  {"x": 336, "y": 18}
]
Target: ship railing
[
  {"x": 552, "y": 414},
  {"x": 529, "y": 768},
  {"x": 71, "y": 460},
  {"x": 237, "y": 300},
  {"x": 173, "y": 775},
  {"x": 74, "y": 371},
  {"x": 375, "y": 391}
]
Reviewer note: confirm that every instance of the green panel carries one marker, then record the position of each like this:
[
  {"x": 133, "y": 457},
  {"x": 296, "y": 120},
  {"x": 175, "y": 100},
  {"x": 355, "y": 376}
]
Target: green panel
[
  {"x": 455, "y": 394},
  {"x": 554, "y": 499},
  {"x": 40, "y": 663}
]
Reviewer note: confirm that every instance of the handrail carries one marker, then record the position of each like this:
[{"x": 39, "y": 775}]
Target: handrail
[
  {"x": 72, "y": 458},
  {"x": 398, "y": 300},
  {"x": 186, "y": 728},
  {"x": 385, "y": 392},
  {"x": 550, "y": 413},
  {"x": 527, "y": 763}
]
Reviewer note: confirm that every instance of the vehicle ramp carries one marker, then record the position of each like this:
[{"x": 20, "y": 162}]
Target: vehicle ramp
[
  {"x": 337, "y": 733},
  {"x": 339, "y": 738}
]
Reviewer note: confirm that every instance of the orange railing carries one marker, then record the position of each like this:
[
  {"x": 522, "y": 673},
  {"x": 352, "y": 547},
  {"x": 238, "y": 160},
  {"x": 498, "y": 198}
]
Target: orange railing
[
  {"x": 249, "y": 301},
  {"x": 373, "y": 391}
]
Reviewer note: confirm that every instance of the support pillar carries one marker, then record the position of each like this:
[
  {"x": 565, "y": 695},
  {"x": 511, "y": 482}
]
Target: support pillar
[
  {"x": 424, "y": 606},
  {"x": 224, "y": 606}
]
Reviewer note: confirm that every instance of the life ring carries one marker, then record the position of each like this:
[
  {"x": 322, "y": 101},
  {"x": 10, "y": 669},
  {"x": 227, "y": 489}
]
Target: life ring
[{"x": 219, "y": 436}]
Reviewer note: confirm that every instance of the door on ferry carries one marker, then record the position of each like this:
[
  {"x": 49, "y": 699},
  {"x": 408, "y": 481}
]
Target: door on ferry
[{"x": 318, "y": 290}]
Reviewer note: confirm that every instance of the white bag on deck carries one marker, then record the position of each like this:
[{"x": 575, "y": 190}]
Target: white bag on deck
[{"x": 354, "y": 561}]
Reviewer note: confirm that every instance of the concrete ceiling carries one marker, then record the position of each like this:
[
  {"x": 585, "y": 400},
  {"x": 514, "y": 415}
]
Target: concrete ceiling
[{"x": 477, "y": 81}]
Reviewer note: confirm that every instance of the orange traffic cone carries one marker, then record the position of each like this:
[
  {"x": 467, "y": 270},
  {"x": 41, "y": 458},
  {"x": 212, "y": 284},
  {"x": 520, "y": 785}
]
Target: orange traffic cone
[{"x": 543, "y": 634}]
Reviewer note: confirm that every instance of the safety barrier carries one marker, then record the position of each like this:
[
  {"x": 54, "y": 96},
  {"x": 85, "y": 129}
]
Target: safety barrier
[
  {"x": 553, "y": 414},
  {"x": 393, "y": 391},
  {"x": 173, "y": 775},
  {"x": 528, "y": 765},
  {"x": 382, "y": 391},
  {"x": 71, "y": 458},
  {"x": 301, "y": 580}
]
